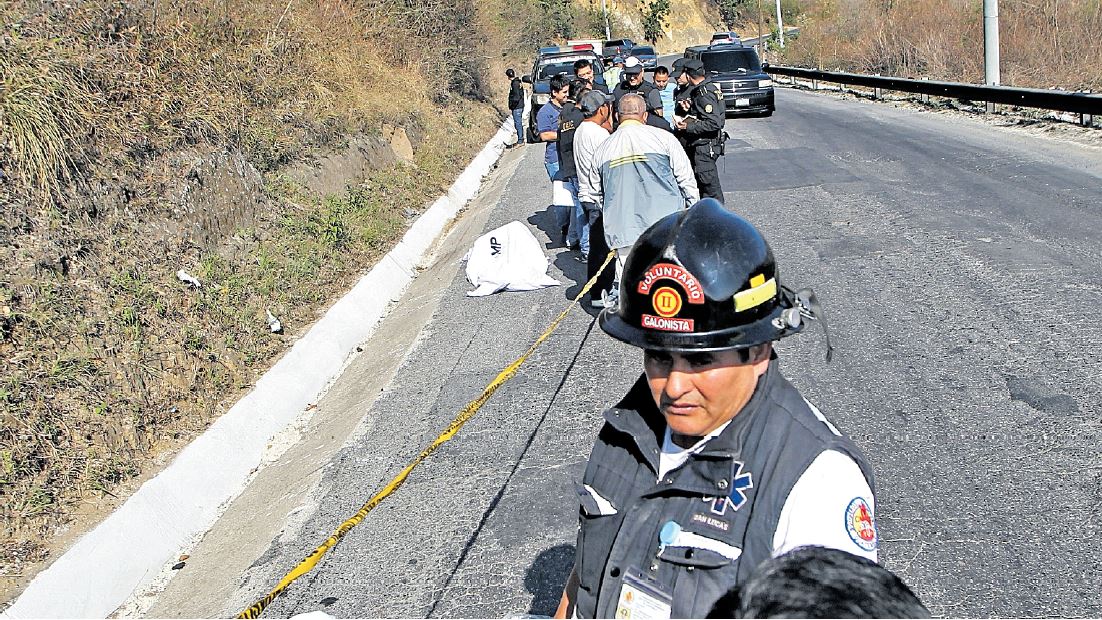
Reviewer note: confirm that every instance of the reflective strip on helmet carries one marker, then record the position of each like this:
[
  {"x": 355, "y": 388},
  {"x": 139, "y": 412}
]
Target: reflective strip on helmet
[{"x": 756, "y": 296}]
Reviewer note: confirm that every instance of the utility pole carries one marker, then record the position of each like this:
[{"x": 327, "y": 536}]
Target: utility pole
[
  {"x": 761, "y": 46},
  {"x": 780, "y": 24},
  {"x": 991, "y": 45},
  {"x": 604, "y": 11}
]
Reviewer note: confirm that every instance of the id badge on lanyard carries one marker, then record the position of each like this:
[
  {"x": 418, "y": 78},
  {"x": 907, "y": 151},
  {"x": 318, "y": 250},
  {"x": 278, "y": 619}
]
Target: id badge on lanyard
[{"x": 642, "y": 599}]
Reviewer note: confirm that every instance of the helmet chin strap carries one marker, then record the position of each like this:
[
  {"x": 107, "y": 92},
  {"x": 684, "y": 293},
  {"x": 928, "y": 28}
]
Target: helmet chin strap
[{"x": 808, "y": 303}]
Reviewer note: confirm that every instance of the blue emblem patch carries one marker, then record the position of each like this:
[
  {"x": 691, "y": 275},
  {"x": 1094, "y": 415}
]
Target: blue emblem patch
[{"x": 737, "y": 497}]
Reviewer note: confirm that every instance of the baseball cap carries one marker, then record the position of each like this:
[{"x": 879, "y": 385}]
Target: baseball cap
[
  {"x": 633, "y": 65},
  {"x": 617, "y": 60},
  {"x": 592, "y": 101},
  {"x": 692, "y": 66}
]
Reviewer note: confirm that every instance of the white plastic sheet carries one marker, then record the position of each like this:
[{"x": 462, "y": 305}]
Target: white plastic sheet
[{"x": 509, "y": 258}]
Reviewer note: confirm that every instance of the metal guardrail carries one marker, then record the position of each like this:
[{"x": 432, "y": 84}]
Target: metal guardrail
[{"x": 1085, "y": 104}]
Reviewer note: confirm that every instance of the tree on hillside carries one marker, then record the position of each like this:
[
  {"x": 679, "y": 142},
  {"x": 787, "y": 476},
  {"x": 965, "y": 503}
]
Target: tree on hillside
[
  {"x": 654, "y": 19},
  {"x": 734, "y": 11}
]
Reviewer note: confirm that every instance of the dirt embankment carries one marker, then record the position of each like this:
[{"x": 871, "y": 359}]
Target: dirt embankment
[{"x": 269, "y": 150}]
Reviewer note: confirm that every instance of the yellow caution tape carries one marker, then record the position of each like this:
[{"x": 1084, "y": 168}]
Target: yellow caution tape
[{"x": 464, "y": 416}]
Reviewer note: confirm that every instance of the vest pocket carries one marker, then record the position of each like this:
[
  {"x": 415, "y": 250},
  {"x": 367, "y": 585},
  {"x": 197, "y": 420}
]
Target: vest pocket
[
  {"x": 700, "y": 578},
  {"x": 598, "y": 521}
]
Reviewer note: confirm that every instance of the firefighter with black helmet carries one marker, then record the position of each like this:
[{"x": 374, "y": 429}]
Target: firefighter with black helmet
[
  {"x": 702, "y": 113},
  {"x": 713, "y": 462}
]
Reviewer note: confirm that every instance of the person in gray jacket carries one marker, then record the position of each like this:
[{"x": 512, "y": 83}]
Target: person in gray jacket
[
  {"x": 713, "y": 462},
  {"x": 641, "y": 175}
]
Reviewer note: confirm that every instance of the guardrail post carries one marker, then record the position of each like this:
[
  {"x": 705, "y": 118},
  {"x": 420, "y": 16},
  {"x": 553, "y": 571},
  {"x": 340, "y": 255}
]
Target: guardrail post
[
  {"x": 990, "y": 108},
  {"x": 814, "y": 84},
  {"x": 1086, "y": 120},
  {"x": 878, "y": 93}
]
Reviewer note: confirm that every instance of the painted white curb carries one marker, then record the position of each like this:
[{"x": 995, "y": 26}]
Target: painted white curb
[{"x": 131, "y": 546}]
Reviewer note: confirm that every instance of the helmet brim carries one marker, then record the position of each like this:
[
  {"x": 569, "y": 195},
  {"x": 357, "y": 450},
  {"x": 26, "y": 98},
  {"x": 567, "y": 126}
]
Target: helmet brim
[{"x": 745, "y": 336}]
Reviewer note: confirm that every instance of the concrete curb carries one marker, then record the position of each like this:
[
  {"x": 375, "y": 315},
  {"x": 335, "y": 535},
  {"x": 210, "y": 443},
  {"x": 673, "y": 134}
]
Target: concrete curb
[{"x": 131, "y": 546}]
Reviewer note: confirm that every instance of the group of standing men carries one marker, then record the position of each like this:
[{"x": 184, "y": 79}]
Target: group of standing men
[
  {"x": 621, "y": 160},
  {"x": 714, "y": 488}
]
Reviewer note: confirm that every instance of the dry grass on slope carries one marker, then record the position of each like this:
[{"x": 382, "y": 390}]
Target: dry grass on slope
[
  {"x": 106, "y": 359},
  {"x": 1045, "y": 44}
]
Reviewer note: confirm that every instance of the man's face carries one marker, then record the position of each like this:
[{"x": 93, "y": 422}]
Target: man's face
[
  {"x": 683, "y": 78},
  {"x": 559, "y": 96},
  {"x": 635, "y": 79},
  {"x": 585, "y": 73},
  {"x": 661, "y": 79},
  {"x": 699, "y": 392}
]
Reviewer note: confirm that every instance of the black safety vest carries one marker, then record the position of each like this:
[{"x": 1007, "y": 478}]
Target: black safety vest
[{"x": 733, "y": 491}]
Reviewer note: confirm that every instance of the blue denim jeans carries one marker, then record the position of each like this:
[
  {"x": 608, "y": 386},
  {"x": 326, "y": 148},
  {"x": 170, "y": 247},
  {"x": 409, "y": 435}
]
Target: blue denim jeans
[
  {"x": 579, "y": 221},
  {"x": 518, "y": 122}
]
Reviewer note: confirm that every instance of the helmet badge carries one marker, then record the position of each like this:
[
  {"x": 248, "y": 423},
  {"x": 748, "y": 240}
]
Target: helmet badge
[
  {"x": 669, "y": 271},
  {"x": 666, "y": 301}
]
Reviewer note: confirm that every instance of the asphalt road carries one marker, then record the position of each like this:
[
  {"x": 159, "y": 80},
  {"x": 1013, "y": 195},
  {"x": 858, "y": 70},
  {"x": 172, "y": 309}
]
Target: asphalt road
[{"x": 959, "y": 266}]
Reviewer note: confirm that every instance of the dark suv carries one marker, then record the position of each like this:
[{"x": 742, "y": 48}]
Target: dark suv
[{"x": 746, "y": 88}]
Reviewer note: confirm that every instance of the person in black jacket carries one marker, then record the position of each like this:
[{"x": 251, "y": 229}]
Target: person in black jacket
[
  {"x": 577, "y": 236},
  {"x": 633, "y": 83},
  {"x": 516, "y": 103},
  {"x": 702, "y": 115},
  {"x": 583, "y": 70}
]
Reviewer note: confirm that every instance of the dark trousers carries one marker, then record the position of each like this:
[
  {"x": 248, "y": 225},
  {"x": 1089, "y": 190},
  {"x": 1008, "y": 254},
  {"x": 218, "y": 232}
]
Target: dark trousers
[
  {"x": 598, "y": 252},
  {"x": 707, "y": 175}
]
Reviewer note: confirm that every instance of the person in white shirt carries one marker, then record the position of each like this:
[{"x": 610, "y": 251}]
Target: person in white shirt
[{"x": 596, "y": 107}]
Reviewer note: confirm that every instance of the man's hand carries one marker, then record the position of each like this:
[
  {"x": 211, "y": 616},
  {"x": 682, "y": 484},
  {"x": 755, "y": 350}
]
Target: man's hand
[
  {"x": 569, "y": 594},
  {"x": 685, "y": 104},
  {"x": 681, "y": 125}
]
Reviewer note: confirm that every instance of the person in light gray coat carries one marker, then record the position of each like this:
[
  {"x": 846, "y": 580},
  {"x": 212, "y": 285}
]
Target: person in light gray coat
[{"x": 642, "y": 174}]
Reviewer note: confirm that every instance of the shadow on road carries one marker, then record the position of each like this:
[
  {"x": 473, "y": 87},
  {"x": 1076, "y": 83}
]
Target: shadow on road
[
  {"x": 544, "y": 219},
  {"x": 546, "y": 578}
]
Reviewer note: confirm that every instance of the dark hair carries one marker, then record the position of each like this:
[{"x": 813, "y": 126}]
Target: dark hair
[
  {"x": 816, "y": 582},
  {"x": 580, "y": 64},
  {"x": 577, "y": 88},
  {"x": 558, "y": 82},
  {"x": 661, "y": 69},
  {"x": 510, "y": 73}
]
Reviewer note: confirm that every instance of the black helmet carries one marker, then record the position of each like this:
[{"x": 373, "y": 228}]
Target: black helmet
[{"x": 704, "y": 279}]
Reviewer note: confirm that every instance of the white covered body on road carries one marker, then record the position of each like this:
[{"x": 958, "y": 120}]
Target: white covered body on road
[{"x": 509, "y": 258}]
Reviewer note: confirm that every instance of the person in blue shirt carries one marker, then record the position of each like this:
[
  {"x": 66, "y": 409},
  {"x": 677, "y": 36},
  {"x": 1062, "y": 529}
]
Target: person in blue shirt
[
  {"x": 665, "y": 89},
  {"x": 547, "y": 123},
  {"x": 547, "y": 126}
]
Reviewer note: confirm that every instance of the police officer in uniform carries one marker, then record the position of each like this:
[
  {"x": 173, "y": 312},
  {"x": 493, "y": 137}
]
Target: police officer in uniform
[
  {"x": 700, "y": 129},
  {"x": 713, "y": 462}
]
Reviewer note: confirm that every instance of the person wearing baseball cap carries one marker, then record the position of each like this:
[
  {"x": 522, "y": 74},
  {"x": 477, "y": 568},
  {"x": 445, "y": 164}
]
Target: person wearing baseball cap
[
  {"x": 596, "y": 108},
  {"x": 633, "y": 82}
]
